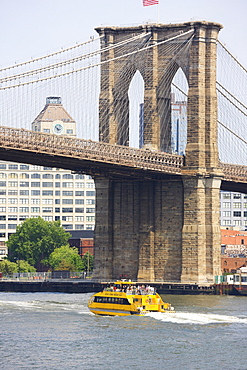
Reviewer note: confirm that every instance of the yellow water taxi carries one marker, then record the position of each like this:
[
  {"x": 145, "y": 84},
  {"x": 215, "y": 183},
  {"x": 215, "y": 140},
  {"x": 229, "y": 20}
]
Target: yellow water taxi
[{"x": 127, "y": 298}]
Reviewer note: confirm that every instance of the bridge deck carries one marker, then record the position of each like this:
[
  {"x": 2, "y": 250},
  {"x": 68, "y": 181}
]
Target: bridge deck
[{"x": 93, "y": 157}]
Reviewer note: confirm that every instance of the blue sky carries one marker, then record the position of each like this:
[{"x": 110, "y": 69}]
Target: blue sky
[{"x": 31, "y": 28}]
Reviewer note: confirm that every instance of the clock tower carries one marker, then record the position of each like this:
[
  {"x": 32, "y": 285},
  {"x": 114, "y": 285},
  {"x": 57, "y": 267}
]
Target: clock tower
[{"x": 53, "y": 119}]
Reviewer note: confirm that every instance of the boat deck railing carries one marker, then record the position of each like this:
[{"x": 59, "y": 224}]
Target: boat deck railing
[{"x": 132, "y": 290}]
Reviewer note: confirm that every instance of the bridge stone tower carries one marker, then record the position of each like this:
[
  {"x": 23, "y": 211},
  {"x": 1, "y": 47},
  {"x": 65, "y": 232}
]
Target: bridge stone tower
[{"x": 163, "y": 229}]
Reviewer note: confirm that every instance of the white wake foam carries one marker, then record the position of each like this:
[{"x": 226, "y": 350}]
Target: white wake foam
[{"x": 196, "y": 318}]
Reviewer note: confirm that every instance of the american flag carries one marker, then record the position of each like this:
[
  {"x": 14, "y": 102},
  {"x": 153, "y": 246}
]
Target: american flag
[{"x": 150, "y": 2}]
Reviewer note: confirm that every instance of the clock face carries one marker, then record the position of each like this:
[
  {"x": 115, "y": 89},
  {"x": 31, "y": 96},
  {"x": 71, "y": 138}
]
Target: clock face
[{"x": 58, "y": 128}]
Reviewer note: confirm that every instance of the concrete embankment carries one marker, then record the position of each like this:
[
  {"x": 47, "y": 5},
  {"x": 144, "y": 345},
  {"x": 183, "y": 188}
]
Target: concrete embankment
[{"x": 84, "y": 286}]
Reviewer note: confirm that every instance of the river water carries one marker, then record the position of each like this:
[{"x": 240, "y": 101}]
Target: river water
[{"x": 57, "y": 331}]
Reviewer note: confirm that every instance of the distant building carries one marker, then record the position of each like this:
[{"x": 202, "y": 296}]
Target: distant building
[
  {"x": 233, "y": 250},
  {"x": 29, "y": 191},
  {"x": 233, "y": 210}
]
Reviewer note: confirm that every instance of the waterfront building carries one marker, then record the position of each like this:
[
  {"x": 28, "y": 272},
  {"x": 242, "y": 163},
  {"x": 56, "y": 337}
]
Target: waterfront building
[
  {"x": 29, "y": 191},
  {"x": 233, "y": 210}
]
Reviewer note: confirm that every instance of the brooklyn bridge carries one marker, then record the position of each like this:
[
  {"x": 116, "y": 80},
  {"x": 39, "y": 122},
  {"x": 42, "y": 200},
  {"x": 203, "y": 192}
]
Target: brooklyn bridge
[{"x": 157, "y": 209}]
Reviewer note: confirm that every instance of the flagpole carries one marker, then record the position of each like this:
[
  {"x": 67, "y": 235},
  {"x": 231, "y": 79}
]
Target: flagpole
[{"x": 158, "y": 12}]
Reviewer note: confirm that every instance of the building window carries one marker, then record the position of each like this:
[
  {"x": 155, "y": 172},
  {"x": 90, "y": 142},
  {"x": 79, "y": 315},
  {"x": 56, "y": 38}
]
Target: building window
[
  {"x": 236, "y": 196},
  {"x": 57, "y": 176},
  {"x": 236, "y": 222},
  {"x": 89, "y": 227},
  {"x": 12, "y": 226},
  {"x": 24, "y": 167},
  {"x": 47, "y": 184},
  {"x": 47, "y": 209},
  {"x": 35, "y": 209},
  {"x": 90, "y": 201},
  {"x": 79, "y": 227},
  {"x": 68, "y": 176},
  {"x": 57, "y": 218},
  {"x": 79, "y": 177},
  {"x": 13, "y": 166},
  {"x": 2, "y": 166},
  {"x": 24, "y": 176},
  {"x": 24, "y": 184},
  {"x": 67, "y": 210},
  {"x": 47, "y": 201},
  {"x": 69, "y": 131},
  {"x": 226, "y": 195},
  {"x": 67, "y": 184},
  {"x": 2, "y": 235},
  {"x": 47, "y": 176},
  {"x": 35, "y": 201},
  {"x": 35, "y": 184},
  {"x": 23, "y": 192},
  {"x": 81, "y": 194},
  {"x": 67, "y": 193},
  {"x": 68, "y": 227},
  {"x": 79, "y": 201},
  {"x": 2, "y": 200},
  {"x": 2, "y": 226},
  {"x": 79, "y": 210},
  {"x": 236, "y": 213},
  {"x": 24, "y": 200},
  {"x": 3, "y": 175},
  {"x": 245, "y": 213},
  {"x": 57, "y": 210},
  {"x": 57, "y": 201},
  {"x": 35, "y": 176},
  {"x": 67, "y": 201},
  {"x": 35, "y": 193},
  {"x": 67, "y": 218},
  {"x": 47, "y": 193},
  {"x": 90, "y": 218},
  {"x": 90, "y": 185},
  {"x": 57, "y": 184},
  {"x": 90, "y": 210},
  {"x": 79, "y": 218},
  {"x": 2, "y": 209},
  {"x": 79, "y": 185},
  {"x": 12, "y": 210},
  {"x": 3, "y": 192},
  {"x": 226, "y": 222},
  {"x": 3, "y": 183},
  {"x": 226, "y": 205},
  {"x": 13, "y": 201},
  {"x": 57, "y": 193},
  {"x": 2, "y": 218},
  {"x": 92, "y": 194},
  {"x": 12, "y": 218},
  {"x": 47, "y": 218},
  {"x": 236, "y": 205},
  {"x": 24, "y": 209}
]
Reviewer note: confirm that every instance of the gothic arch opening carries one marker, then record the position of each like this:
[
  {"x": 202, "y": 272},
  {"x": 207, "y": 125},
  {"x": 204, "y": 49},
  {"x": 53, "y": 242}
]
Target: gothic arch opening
[
  {"x": 136, "y": 111},
  {"x": 179, "y": 93}
]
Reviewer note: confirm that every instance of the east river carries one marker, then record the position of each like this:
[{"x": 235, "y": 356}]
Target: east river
[{"x": 56, "y": 331}]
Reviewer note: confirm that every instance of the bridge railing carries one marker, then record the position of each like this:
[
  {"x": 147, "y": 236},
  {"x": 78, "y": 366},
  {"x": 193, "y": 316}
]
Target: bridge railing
[
  {"x": 234, "y": 172},
  {"x": 90, "y": 150}
]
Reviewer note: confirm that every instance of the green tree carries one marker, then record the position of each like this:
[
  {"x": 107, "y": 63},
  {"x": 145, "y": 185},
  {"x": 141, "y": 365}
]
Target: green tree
[
  {"x": 66, "y": 258},
  {"x": 35, "y": 239},
  {"x": 87, "y": 260},
  {"x": 7, "y": 267},
  {"x": 24, "y": 266}
]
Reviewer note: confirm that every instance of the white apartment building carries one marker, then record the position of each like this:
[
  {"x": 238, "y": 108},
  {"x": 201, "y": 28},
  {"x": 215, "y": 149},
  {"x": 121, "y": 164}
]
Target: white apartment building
[
  {"x": 54, "y": 194},
  {"x": 233, "y": 210}
]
